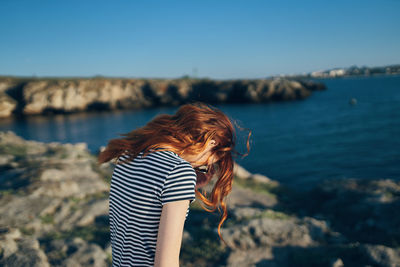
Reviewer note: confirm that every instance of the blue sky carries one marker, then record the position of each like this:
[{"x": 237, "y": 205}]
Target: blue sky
[{"x": 214, "y": 39}]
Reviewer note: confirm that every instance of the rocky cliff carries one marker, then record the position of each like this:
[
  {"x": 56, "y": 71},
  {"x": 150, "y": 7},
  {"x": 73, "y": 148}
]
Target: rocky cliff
[
  {"x": 54, "y": 212},
  {"x": 42, "y": 96}
]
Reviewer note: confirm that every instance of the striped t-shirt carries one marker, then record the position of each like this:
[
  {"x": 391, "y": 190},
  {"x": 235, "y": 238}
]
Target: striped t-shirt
[{"x": 138, "y": 191}]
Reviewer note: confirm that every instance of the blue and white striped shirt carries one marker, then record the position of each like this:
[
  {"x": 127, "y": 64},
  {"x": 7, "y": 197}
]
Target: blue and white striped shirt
[{"x": 138, "y": 191}]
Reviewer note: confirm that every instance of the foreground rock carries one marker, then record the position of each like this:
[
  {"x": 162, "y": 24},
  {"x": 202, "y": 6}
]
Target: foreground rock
[
  {"x": 42, "y": 96},
  {"x": 345, "y": 221},
  {"x": 54, "y": 212},
  {"x": 53, "y": 205}
]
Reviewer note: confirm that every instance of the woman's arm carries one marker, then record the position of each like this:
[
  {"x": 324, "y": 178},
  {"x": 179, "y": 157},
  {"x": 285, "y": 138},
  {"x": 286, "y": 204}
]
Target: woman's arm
[{"x": 170, "y": 231}]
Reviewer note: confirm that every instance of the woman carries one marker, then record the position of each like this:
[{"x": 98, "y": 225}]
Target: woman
[{"x": 160, "y": 168}]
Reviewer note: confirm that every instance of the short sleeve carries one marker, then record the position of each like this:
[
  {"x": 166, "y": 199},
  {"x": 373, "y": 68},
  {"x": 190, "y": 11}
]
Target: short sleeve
[{"x": 179, "y": 184}]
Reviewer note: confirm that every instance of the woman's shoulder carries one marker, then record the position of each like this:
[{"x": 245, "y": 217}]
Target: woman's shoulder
[
  {"x": 156, "y": 156},
  {"x": 179, "y": 164},
  {"x": 172, "y": 156}
]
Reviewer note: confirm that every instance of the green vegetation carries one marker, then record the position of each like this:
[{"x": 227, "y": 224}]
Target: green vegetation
[
  {"x": 7, "y": 192},
  {"x": 76, "y": 203},
  {"x": 64, "y": 154},
  {"x": 203, "y": 252},
  {"x": 203, "y": 248},
  {"x": 94, "y": 234},
  {"x": 271, "y": 214},
  {"x": 47, "y": 218},
  {"x": 109, "y": 259},
  {"x": 97, "y": 196},
  {"x": 97, "y": 233},
  {"x": 12, "y": 149},
  {"x": 27, "y": 231},
  {"x": 196, "y": 205},
  {"x": 258, "y": 187},
  {"x": 391, "y": 195},
  {"x": 56, "y": 256},
  {"x": 104, "y": 174}
]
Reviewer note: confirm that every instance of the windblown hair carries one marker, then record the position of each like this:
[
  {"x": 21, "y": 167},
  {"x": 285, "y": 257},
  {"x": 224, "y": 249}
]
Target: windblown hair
[{"x": 188, "y": 131}]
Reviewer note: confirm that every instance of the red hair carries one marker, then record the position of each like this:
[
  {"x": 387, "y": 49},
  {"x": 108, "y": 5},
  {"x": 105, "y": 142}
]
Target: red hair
[{"x": 188, "y": 131}]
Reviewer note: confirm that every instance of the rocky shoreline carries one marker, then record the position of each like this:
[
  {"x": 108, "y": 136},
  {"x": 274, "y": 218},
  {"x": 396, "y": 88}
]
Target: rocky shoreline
[
  {"x": 54, "y": 212},
  {"x": 30, "y": 96}
]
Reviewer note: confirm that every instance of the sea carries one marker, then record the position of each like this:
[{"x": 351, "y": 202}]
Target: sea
[{"x": 349, "y": 130}]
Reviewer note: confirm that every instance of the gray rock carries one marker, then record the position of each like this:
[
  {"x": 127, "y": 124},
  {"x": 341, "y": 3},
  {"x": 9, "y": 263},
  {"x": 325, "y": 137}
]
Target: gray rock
[
  {"x": 21, "y": 251},
  {"x": 337, "y": 263},
  {"x": 60, "y": 189},
  {"x": 382, "y": 255},
  {"x": 85, "y": 254},
  {"x": 55, "y": 215},
  {"x": 362, "y": 209}
]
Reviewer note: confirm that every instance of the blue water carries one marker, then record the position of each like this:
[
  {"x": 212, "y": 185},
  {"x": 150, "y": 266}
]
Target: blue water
[{"x": 298, "y": 143}]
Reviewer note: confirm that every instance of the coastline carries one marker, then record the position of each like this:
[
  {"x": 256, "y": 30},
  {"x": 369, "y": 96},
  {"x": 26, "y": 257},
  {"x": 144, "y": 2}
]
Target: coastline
[{"x": 38, "y": 96}]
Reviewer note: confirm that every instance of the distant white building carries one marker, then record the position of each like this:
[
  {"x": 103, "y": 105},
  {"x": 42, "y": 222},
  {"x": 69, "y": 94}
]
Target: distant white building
[
  {"x": 337, "y": 72},
  {"x": 328, "y": 73},
  {"x": 318, "y": 74}
]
